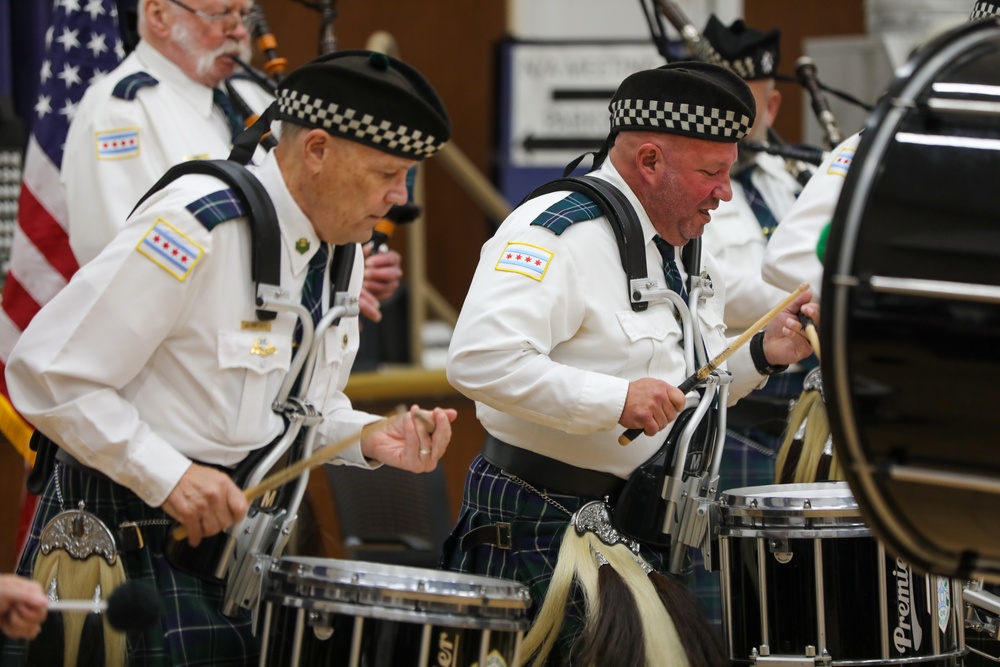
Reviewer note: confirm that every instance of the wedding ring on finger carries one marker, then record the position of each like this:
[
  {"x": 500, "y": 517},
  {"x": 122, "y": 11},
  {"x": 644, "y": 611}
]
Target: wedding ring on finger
[{"x": 424, "y": 451}]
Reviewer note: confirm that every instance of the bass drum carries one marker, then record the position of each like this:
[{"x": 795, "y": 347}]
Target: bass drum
[{"x": 911, "y": 310}]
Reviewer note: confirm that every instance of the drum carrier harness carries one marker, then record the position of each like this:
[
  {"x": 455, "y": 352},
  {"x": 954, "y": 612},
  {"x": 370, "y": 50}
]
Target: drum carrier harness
[{"x": 241, "y": 555}]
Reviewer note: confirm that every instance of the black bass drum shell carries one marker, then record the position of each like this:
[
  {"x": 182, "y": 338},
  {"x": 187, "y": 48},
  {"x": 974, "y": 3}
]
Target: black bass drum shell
[{"x": 910, "y": 320}]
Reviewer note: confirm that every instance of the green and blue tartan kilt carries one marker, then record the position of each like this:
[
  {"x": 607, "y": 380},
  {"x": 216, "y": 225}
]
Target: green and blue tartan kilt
[
  {"x": 193, "y": 631},
  {"x": 537, "y": 529}
]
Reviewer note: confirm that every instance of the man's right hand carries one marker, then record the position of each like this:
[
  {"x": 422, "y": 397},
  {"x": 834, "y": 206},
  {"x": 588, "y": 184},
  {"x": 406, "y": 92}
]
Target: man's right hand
[
  {"x": 206, "y": 502},
  {"x": 650, "y": 405}
]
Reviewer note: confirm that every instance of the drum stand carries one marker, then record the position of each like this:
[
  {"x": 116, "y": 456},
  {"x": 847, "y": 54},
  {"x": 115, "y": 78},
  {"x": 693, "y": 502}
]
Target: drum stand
[
  {"x": 258, "y": 541},
  {"x": 982, "y": 615},
  {"x": 690, "y": 501}
]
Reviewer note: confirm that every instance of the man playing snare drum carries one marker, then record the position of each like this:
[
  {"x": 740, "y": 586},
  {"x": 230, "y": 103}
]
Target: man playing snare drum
[{"x": 154, "y": 375}]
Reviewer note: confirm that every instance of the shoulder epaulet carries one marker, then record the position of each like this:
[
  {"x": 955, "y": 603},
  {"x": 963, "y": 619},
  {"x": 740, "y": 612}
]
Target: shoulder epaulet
[
  {"x": 217, "y": 207},
  {"x": 128, "y": 87},
  {"x": 575, "y": 207}
]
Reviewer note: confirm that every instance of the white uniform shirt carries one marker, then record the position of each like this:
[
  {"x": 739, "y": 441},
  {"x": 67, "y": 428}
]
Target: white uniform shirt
[
  {"x": 737, "y": 241},
  {"x": 548, "y": 361},
  {"x": 170, "y": 122},
  {"x": 790, "y": 257},
  {"x": 134, "y": 371}
]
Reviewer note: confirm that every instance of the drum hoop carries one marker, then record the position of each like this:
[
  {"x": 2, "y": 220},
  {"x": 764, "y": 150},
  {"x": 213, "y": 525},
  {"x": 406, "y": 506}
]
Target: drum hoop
[
  {"x": 912, "y": 81},
  {"x": 413, "y": 616},
  {"x": 781, "y": 532}
]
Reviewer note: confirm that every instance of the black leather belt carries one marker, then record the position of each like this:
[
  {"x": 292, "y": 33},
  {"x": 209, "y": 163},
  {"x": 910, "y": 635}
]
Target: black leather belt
[
  {"x": 64, "y": 457},
  {"x": 550, "y": 474}
]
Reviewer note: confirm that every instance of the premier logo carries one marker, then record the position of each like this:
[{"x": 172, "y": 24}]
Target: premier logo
[{"x": 908, "y": 634}]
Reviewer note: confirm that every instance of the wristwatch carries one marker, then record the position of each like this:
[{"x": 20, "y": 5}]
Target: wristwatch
[{"x": 760, "y": 361}]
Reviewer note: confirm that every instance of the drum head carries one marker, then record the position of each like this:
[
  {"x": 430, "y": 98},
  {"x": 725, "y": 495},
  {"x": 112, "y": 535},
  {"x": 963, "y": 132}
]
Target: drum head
[
  {"x": 398, "y": 593},
  {"x": 911, "y": 310}
]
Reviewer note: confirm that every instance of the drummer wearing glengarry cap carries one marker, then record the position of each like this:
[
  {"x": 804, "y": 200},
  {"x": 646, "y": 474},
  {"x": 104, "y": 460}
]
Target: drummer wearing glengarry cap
[
  {"x": 559, "y": 359},
  {"x": 155, "y": 373}
]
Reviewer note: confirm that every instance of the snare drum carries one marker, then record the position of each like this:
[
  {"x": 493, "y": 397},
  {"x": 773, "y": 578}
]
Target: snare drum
[
  {"x": 357, "y": 614},
  {"x": 804, "y": 582}
]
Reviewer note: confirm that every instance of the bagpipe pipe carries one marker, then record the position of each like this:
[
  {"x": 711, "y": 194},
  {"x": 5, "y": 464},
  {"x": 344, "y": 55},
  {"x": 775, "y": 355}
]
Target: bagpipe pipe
[
  {"x": 798, "y": 157},
  {"x": 268, "y": 79}
]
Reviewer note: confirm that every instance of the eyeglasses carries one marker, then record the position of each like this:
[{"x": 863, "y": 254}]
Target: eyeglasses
[{"x": 228, "y": 20}]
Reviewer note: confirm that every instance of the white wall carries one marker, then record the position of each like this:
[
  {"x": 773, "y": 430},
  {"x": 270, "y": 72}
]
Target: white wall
[{"x": 602, "y": 19}]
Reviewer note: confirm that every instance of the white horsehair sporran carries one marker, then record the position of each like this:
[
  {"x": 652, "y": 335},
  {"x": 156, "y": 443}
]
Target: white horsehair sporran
[{"x": 78, "y": 560}]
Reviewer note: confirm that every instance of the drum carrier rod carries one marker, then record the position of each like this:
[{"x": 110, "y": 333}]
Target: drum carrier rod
[
  {"x": 883, "y": 604},
  {"x": 820, "y": 648},
  {"x": 765, "y": 640},
  {"x": 484, "y": 646},
  {"x": 359, "y": 627},
  {"x": 300, "y": 623},
  {"x": 425, "y": 645}
]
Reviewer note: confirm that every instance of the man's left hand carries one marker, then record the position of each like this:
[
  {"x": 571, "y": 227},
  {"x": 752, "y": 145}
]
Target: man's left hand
[
  {"x": 383, "y": 271},
  {"x": 784, "y": 340},
  {"x": 413, "y": 441}
]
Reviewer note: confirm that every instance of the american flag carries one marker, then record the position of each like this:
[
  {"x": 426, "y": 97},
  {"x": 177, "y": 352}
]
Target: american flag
[{"x": 82, "y": 43}]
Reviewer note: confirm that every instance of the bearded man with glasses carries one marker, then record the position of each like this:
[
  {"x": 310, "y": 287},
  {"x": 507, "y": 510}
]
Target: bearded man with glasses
[{"x": 166, "y": 103}]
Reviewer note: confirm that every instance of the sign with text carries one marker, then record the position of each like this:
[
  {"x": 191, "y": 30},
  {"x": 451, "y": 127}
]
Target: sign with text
[{"x": 559, "y": 95}]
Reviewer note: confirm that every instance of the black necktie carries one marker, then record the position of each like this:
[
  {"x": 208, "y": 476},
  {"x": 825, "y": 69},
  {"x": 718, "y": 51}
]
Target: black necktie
[
  {"x": 228, "y": 110},
  {"x": 312, "y": 290},
  {"x": 670, "y": 269},
  {"x": 757, "y": 204}
]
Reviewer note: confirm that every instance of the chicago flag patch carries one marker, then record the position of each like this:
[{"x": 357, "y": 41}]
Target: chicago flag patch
[
  {"x": 524, "y": 258},
  {"x": 169, "y": 249},
  {"x": 118, "y": 144},
  {"x": 841, "y": 163}
]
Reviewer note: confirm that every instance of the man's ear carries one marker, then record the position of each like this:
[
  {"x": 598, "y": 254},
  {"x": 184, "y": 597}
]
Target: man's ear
[
  {"x": 316, "y": 148},
  {"x": 153, "y": 12},
  {"x": 649, "y": 158},
  {"x": 773, "y": 104}
]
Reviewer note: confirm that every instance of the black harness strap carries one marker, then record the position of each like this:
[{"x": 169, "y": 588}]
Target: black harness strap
[
  {"x": 624, "y": 223},
  {"x": 265, "y": 245}
]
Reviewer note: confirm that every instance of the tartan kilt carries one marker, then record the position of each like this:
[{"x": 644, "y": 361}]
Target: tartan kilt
[
  {"x": 537, "y": 529},
  {"x": 193, "y": 631}
]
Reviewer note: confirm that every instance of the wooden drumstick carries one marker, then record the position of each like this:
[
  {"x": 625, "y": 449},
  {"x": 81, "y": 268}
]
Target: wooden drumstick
[
  {"x": 320, "y": 456},
  {"x": 699, "y": 376},
  {"x": 809, "y": 328}
]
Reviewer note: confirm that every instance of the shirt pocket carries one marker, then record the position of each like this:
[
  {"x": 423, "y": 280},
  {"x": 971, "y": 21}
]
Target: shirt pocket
[
  {"x": 648, "y": 336},
  {"x": 251, "y": 368}
]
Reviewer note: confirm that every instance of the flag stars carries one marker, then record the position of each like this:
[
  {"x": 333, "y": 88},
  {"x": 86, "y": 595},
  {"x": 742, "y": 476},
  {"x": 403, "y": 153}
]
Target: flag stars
[
  {"x": 96, "y": 44},
  {"x": 68, "y": 39},
  {"x": 46, "y": 70},
  {"x": 71, "y": 6},
  {"x": 69, "y": 109},
  {"x": 70, "y": 74},
  {"x": 95, "y": 8},
  {"x": 43, "y": 106}
]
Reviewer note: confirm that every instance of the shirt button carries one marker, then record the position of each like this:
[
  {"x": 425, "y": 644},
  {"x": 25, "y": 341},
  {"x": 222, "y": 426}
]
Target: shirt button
[
  {"x": 659, "y": 332},
  {"x": 345, "y": 340}
]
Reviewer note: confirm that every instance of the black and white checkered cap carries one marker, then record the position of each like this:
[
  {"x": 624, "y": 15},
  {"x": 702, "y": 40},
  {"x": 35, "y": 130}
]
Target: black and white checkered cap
[
  {"x": 369, "y": 98},
  {"x": 694, "y": 99},
  {"x": 983, "y": 10},
  {"x": 750, "y": 53}
]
